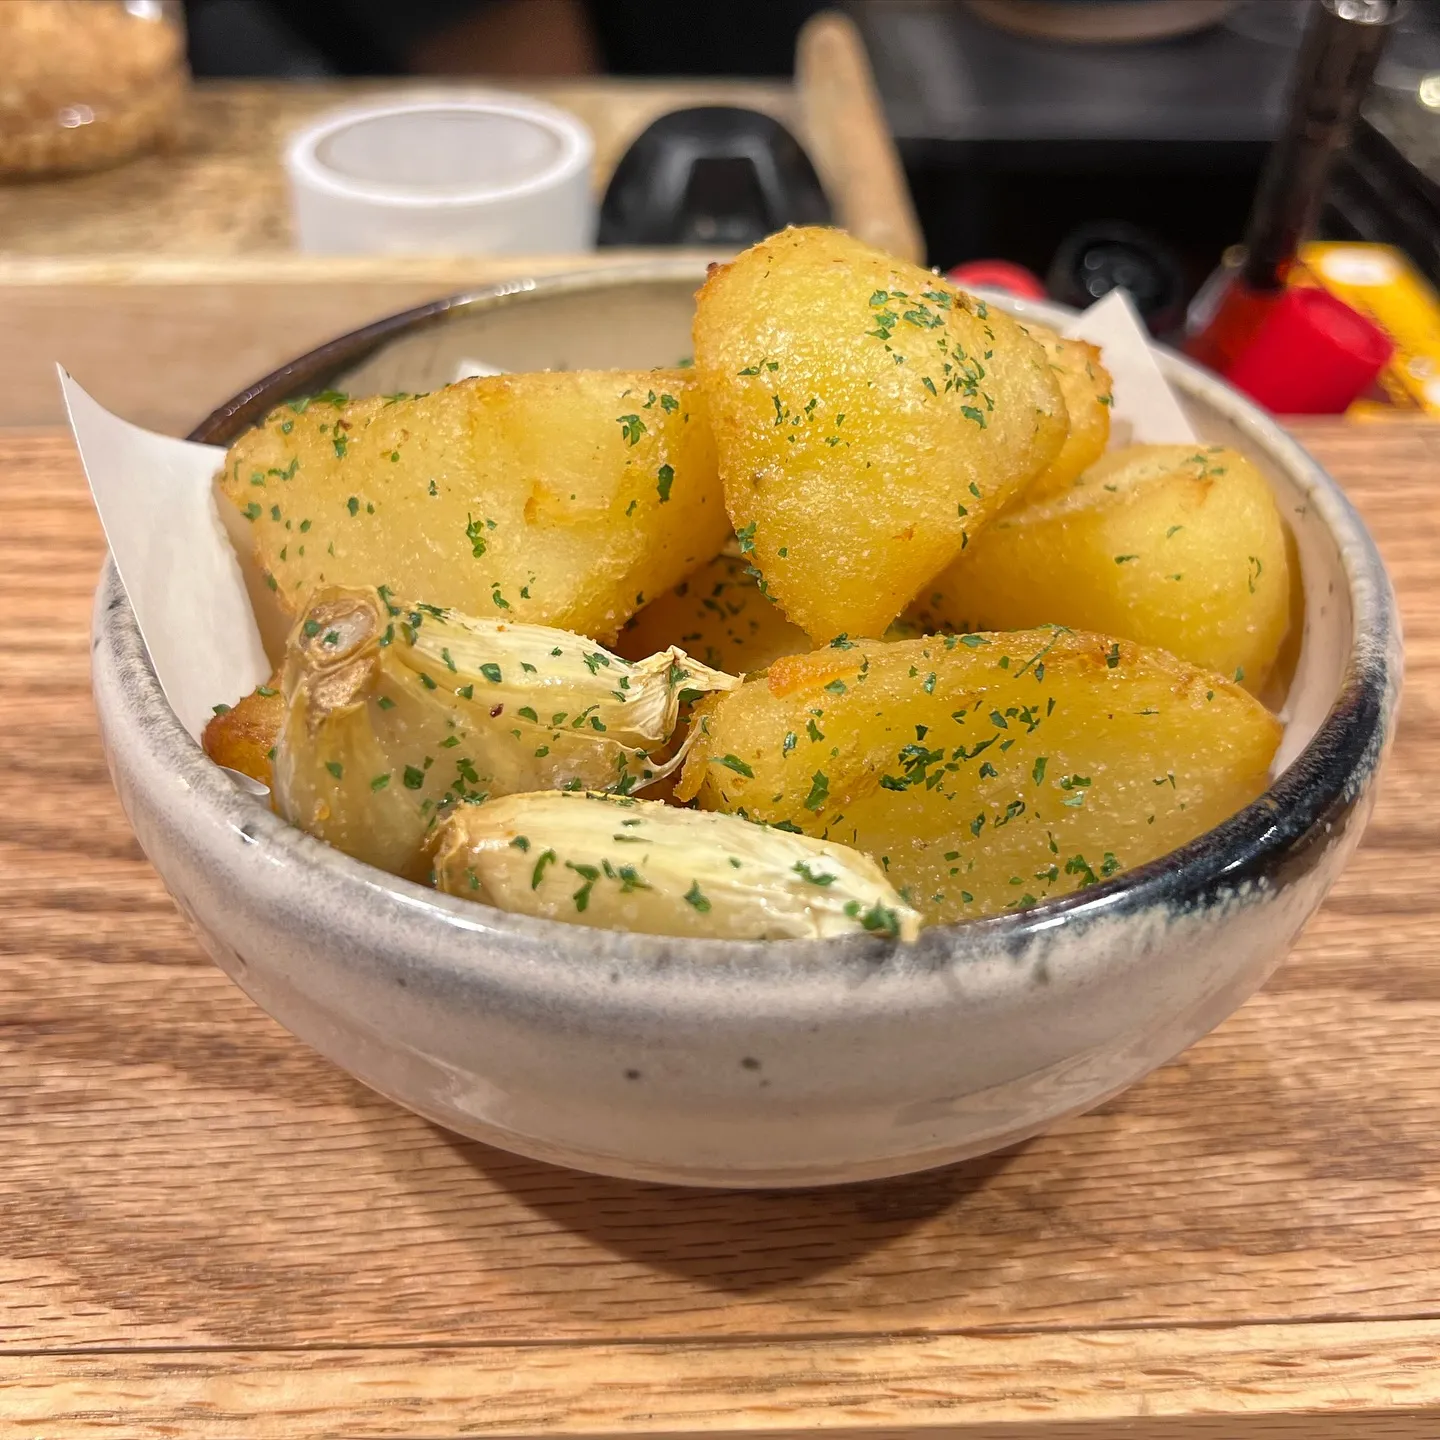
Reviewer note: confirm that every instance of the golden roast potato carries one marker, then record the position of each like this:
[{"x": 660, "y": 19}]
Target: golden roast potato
[
  {"x": 869, "y": 420},
  {"x": 1179, "y": 546},
  {"x": 1085, "y": 383},
  {"x": 242, "y": 736},
  {"x": 719, "y": 616},
  {"x": 985, "y": 772},
  {"x": 562, "y": 499}
]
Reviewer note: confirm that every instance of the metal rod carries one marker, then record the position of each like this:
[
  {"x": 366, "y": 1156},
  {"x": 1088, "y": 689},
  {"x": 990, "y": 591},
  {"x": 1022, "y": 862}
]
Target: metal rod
[{"x": 1333, "y": 71}]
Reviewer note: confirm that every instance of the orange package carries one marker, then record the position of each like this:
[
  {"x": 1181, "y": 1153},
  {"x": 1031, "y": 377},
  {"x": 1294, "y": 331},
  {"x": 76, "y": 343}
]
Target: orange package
[{"x": 1381, "y": 283}]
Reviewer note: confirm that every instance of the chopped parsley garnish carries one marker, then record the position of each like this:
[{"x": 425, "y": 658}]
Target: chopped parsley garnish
[
  {"x": 538, "y": 873},
  {"x": 809, "y": 876},
  {"x": 589, "y": 874},
  {"x": 878, "y": 919}
]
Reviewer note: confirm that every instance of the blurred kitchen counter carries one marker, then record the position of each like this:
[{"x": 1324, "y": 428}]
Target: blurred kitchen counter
[
  {"x": 219, "y": 191},
  {"x": 169, "y": 283}
]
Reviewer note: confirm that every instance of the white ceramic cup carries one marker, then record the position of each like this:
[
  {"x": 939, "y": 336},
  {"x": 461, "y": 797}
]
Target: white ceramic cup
[{"x": 487, "y": 173}]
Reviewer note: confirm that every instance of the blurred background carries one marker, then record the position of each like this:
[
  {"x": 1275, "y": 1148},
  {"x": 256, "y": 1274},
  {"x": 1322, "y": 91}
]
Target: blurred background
[
  {"x": 1066, "y": 147},
  {"x": 1018, "y": 123}
]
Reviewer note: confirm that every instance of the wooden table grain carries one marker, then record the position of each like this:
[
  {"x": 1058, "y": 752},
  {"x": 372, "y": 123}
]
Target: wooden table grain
[{"x": 206, "y": 1230}]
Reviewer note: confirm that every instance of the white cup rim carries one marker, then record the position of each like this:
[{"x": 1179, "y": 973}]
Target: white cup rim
[{"x": 576, "y": 150}]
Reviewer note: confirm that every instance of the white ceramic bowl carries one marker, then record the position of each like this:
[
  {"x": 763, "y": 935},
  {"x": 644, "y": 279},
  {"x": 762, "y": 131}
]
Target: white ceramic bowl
[{"x": 743, "y": 1064}]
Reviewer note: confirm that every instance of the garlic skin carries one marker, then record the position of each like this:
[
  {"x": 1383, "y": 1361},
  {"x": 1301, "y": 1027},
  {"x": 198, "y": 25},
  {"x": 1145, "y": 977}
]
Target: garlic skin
[
  {"x": 620, "y": 863},
  {"x": 394, "y": 712}
]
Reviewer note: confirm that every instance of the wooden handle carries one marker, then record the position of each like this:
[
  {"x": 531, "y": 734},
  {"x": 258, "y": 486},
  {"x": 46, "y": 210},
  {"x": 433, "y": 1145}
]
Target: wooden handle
[{"x": 849, "y": 139}]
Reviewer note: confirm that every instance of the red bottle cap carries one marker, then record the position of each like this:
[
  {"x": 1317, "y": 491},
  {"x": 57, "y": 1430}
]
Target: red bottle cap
[
  {"x": 999, "y": 275},
  {"x": 1312, "y": 355}
]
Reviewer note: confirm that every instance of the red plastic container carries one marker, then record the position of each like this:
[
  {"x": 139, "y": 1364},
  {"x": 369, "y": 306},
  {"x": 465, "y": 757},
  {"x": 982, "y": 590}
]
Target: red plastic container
[
  {"x": 999, "y": 275},
  {"x": 1311, "y": 355}
]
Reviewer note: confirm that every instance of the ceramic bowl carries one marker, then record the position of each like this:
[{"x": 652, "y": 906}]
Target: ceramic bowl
[{"x": 755, "y": 1064}]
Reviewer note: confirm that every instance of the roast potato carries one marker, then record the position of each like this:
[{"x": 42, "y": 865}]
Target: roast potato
[
  {"x": 986, "y": 772},
  {"x": 619, "y": 863},
  {"x": 719, "y": 616},
  {"x": 1085, "y": 383},
  {"x": 1171, "y": 545},
  {"x": 560, "y": 499},
  {"x": 869, "y": 420},
  {"x": 242, "y": 736}
]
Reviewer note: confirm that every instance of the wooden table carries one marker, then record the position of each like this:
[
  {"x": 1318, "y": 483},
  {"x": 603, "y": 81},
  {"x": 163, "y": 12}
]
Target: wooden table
[{"x": 206, "y": 1230}]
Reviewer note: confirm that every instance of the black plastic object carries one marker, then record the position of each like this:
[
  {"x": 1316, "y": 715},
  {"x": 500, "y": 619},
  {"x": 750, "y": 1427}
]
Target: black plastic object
[
  {"x": 1110, "y": 255},
  {"x": 715, "y": 175}
]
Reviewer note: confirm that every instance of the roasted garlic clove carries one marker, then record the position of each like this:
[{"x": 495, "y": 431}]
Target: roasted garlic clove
[
  {"x": 394, "y": 712},
  {"x": 619, "y": 863}
]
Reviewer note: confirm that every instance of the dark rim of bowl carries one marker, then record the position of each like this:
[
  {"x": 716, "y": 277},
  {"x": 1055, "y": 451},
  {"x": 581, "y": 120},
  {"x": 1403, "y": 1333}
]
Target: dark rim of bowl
[{"x": 1279, "y": 834}]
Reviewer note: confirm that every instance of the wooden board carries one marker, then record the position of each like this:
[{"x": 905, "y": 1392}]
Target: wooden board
[{"x": 207, "y": 1230}]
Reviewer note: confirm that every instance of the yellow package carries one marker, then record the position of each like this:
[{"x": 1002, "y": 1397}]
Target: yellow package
[{"x": 1380, "y": 282}]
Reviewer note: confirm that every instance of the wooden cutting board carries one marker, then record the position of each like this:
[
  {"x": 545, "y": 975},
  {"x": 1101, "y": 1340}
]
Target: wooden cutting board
[{"x": 206, "y": 1230}]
